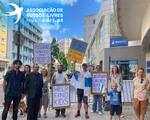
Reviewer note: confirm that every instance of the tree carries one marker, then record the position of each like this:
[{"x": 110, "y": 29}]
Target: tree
[
  {"x": 63, "y": 60},
  {"x": 57, "y": 55},
  {"x": 54, "y": 53}
]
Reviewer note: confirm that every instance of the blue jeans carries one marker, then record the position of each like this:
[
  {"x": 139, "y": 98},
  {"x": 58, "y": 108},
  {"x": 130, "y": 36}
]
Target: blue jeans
[{"x": 97, "y": 100}]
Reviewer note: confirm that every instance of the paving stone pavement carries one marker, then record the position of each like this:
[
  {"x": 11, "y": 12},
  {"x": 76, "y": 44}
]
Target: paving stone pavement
[{"x": 127, "y": 110}]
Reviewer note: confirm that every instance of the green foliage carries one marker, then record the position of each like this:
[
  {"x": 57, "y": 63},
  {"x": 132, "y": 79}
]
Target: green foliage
[{"x": 57, "y": 55}]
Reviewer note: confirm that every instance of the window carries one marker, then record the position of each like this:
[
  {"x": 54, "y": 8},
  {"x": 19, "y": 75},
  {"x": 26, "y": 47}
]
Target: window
[
  {"x": 127, "y": 68},
  {"x": 94, "y": 21},
  {"x": 2, "y": 41}
]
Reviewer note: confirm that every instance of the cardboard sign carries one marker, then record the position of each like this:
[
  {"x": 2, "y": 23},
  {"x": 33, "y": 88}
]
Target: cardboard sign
[
  {"x": 42, "y": 53},
  {"x": 77, "y": 50},
  {"x": 61, "y": 96},
  {"x": 99, "y": 83}
]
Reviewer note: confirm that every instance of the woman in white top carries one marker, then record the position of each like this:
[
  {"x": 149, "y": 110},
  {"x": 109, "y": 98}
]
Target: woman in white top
[{"x": 140, "y": 94}]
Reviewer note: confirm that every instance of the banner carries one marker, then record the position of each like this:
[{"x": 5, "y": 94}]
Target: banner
[
  {"x": 61, "y": 96},
  {"x": 42, "y": 53},
  {"x": 77, "y": 50},
  {"x": 99, "y": 83}
]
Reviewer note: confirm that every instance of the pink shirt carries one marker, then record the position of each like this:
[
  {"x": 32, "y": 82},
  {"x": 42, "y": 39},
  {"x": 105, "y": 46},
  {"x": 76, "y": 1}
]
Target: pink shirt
[{"x": 140, "y": 89}]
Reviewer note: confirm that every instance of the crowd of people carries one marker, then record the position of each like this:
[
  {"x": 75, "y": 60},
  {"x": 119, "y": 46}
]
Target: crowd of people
[{"x": 34, "y": 86}]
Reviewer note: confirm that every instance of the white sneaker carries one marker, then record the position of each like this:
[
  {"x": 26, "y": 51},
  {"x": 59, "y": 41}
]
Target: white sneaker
[
  {"x": 122, "y": 116},
  {"x": 100, "y": 113},
  {"x": 92, "y": 111}
]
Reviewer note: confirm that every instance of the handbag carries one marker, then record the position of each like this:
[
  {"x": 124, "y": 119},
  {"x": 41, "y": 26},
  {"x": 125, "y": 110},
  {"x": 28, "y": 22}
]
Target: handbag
[
  {"x": 107, "y": 106},
  {"x": 45, "y": 91}
]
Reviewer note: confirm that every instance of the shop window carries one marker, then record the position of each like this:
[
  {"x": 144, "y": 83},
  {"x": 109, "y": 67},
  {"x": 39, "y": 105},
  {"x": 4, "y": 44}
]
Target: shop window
[{"x": 127, "y": 68}]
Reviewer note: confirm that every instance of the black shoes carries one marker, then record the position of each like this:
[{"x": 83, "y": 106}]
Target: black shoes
[
  {"x": 77, "y": 115},
  {"x": 57, "y": 115}
]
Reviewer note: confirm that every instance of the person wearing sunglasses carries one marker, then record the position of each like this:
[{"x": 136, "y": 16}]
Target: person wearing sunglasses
[{"x": 141, "y": 85}]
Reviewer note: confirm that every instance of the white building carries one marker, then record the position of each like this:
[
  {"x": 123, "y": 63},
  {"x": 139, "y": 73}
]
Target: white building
[
  {"x": 3, "y": 41},
  {"x": 134, "y": 23},
  {"x": 108, "y": 47},
  {"x": 64, "y": 45}
]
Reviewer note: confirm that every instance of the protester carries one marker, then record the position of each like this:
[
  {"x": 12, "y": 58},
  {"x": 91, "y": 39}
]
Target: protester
[
  {"x": 13, "y": 89},
  {"x": 97, "y": 99},
  {"x": 59, "y": 77},
  {"x": 27, "y": 70},
  {"x": 80, "y": 91},
  {"x": 117, "y": 78},
  {"x": 140, "y": 94},
  {"x": 45, "y": 93},
  {"x": 115, "y": 102},
  {"x": 33, "y": 88}
]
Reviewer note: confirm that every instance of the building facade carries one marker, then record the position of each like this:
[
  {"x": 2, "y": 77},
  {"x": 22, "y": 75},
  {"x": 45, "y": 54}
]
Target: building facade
[
  {"x": 89, "y": 23},
  {"x": 108, "y": 47},
  {"x": 31, "y": 33},
  {"x": 3, "y": 41},
  {"x": 134, "y": 24},
  {"x": 64, "y": 45}
]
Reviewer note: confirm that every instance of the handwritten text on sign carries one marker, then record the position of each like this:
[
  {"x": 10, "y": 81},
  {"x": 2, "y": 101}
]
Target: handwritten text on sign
[
  {"x": 42, "y": 53},
  {"x": 61, "y": 96},
  {"x": 99, "y": 83}
]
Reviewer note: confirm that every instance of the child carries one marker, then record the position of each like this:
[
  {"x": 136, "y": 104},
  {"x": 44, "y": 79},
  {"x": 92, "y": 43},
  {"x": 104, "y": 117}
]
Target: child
[{"x": 115, "y": 104}]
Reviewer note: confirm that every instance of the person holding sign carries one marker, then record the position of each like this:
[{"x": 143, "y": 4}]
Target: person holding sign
[
  {"x": 59, "y": 77},
  {"x": 141, "y": 86},
  {"x": 81, "y": 91},
  {"x": 97, "y": 97}
]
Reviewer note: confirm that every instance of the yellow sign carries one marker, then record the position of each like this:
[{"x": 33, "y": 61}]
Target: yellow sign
[
  {"x": 76, "y": 56},
  {"x": 3, "y": 40}
]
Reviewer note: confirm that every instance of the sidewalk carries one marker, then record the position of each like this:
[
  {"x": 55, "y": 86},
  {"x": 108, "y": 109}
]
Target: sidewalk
[{"x": 128, "y": 112}]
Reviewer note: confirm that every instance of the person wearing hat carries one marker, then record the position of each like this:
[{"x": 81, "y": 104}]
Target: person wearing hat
[{"x": 59, "y": 77}]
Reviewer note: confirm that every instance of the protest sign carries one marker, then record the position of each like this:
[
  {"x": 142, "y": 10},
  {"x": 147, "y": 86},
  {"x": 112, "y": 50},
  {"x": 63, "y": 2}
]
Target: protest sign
[
  {"x": 77, "y": 50},
  {"x": 42, "y": 53},
  {"x": 61, "y": 96},
  {"x": 99, "y": 83}
]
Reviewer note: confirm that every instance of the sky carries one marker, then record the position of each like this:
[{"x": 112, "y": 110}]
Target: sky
[{"x": 74, "y": 12}]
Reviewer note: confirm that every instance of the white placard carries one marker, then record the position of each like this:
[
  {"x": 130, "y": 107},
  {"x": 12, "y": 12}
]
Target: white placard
[
  {"x": 42, "y": 53},
  {"x": 61, "y": 96},
  {"x": 99, "y": 83}
]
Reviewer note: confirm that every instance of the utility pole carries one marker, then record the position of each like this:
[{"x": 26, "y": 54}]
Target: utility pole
[{"x": 18, "y": 38}]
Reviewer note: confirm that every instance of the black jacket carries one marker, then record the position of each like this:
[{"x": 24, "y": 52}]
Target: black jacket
[
  {"x": 31, "y": 85},
  {"x": 15, "y": 83}
]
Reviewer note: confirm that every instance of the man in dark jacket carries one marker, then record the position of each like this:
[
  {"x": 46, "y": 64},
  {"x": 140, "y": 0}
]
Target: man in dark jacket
[
  {"x": 13, "y": 89},
  {"x": 33, "y": 88}
]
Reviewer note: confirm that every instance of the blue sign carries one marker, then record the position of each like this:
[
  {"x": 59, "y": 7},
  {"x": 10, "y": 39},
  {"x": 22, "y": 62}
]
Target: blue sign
[
  {"x": 148, "y": 71},
  {"x": 118, "y": 42},
  {"x": 78, "y": 45},
  {"x": 148, "y": 64},
  {"x": 88, "y": 82}
]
